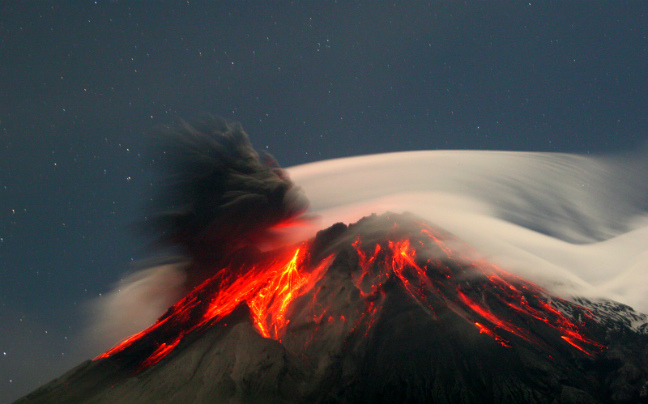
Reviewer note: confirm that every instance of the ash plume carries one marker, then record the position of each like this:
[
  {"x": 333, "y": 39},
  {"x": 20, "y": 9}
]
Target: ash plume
[
  {"x": 217, "y": 198},
  {"x": 218, "y": 193}
]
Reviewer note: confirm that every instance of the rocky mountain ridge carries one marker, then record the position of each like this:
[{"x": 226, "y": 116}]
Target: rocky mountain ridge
[{"x": 389, "y": 309}]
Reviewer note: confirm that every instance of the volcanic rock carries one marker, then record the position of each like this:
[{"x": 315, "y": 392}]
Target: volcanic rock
[{"x": 387, "y": 310}]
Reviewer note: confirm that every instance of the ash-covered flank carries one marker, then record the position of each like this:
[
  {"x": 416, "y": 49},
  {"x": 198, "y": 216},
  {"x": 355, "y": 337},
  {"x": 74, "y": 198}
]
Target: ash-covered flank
[{"x": 387, "y": 310}]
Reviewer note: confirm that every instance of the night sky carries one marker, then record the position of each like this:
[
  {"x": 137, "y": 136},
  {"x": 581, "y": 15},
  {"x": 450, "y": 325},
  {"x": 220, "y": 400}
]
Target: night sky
[{"x": 83, "y": 83}]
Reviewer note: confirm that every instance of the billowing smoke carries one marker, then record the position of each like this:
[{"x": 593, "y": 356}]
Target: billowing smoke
[
  {"x": 218, "y": 196},
  {"x": 575, "y": 224},
  {"x": 218, "y": 193}
]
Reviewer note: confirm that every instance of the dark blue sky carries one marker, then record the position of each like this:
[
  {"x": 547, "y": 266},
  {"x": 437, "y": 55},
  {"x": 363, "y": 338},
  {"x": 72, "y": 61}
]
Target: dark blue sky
[{"x": 83, "y": 82}]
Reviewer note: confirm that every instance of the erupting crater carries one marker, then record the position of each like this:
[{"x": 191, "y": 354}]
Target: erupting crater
[
  {"x": 389, "y": 309},
  {"x": 436, "y": 271}
]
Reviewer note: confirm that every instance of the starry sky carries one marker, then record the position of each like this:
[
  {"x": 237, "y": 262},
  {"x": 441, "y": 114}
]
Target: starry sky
[{"x": 83, "y": 83}]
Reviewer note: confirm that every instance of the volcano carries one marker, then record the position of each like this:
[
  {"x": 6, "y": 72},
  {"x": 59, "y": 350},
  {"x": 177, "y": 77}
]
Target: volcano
[{"x": 387, "y": 310}]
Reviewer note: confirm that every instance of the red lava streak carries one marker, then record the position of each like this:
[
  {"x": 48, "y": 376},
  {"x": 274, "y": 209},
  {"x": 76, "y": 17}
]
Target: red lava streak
[
  {"x": 422, "y": 260},
  {"x": 267, "y": 287}
]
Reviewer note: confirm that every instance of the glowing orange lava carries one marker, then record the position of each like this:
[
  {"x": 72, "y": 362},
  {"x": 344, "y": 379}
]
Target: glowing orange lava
[
  {"x": 267, "y": 287},
  {"x": 430, "y": 272},
  {"x": 487, "y": 300}
]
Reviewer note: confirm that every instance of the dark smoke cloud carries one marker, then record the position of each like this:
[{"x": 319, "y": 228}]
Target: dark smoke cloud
[
  {"x": 218, "y": 193},
  {"x": 217, "y": 198}
]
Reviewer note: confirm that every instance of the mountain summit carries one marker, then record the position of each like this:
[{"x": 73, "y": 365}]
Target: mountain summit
[{"x": 386, "y": 310}]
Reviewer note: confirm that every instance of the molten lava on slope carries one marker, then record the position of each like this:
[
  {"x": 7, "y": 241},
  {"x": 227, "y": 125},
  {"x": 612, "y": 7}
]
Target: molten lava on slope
[
  {"x": 389, "y": 309},
  {"x": 412, "y": 255}
]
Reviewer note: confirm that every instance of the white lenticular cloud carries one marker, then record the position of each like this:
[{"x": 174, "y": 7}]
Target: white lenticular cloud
[
  {"x": 574, "y": 223},
  {"x": 577, "y": 225}
]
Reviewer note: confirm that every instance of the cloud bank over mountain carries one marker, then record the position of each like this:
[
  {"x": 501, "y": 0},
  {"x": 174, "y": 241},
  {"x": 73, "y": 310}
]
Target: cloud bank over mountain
[{"x": 577, "y": 223}]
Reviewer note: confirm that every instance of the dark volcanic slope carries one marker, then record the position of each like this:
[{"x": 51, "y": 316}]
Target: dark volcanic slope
[{"x": 388, "y": 310}]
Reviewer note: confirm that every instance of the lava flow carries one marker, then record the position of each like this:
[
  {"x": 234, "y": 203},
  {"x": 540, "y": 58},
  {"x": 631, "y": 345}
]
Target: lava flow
[
  {"x": 423, "y": 261},
  {"x": 267, "y": 286},
  {"x": 498, "y": 303}
]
